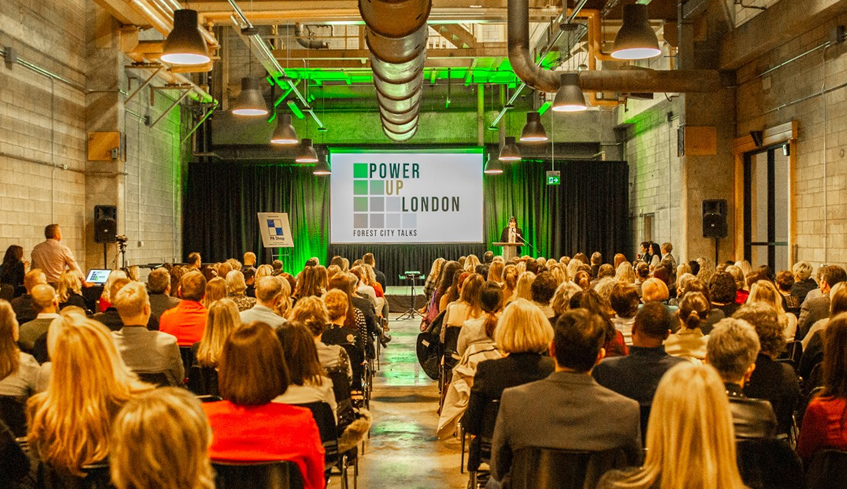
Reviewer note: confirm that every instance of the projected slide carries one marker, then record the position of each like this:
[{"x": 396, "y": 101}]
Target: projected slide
[{"x": 406, "y": 197}]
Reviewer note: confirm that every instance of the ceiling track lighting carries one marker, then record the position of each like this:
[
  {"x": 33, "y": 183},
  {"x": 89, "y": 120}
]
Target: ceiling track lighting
[
  {"x": 533, "y": 131},
  {"x": 250, "y": 101},
  {"x": 636, "y": 39},
  {"x": 510, "y": 152},
  {"x": 307, "y": 153},
  {"x": 284, "y": 134},
  {"x": 569, "y": 97},
  {"x": 185, "y": 45}
]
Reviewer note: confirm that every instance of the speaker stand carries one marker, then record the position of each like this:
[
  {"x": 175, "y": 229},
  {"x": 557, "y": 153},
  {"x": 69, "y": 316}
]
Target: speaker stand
[
  {"x": 717, "y": 243},
  {"x": 105, "y": 257}
]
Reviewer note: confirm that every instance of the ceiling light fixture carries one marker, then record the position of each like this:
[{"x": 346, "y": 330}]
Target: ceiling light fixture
[
  {"x": 510, "y": 152},
  {"x": 533, "y": 131},
  {"x": 322, "y": 166},
  {"x": 307, "y": 153},
  {"x": 569, "y": 98},
  {"x": 493, "y": 167},
  {"x": 250, "y": 101},
  {"x": 184, "y": 45},
  {"x": 284, "y": 133},
  {"x": 636, "y": 39}
]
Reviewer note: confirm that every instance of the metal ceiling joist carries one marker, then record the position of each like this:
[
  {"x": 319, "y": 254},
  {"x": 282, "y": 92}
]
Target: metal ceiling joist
[
  {"x": 457, "y": 35},
  {"x": 482, "y": 50}
]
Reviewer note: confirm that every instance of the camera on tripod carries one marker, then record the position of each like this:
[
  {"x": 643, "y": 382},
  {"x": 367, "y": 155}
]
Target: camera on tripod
[{"x": 122, "y": 239}]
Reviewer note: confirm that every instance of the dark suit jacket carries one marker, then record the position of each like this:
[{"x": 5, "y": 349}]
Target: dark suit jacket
[
  {"x": 811, "y": 311},
  {"x": 493, "y": 376},
  {"x": 504, "y": 237},
  {"x": 380, "y": 277},
  {"x": 637, "y": 375},
  {"x": 160, "y": 303},
  {"x": 801, "y": 289},
  {"x": 112, "y": 320},
  {"x": 24, "y": 308},
  {"x": 566, "y": 411},
  {"x": 777, "y": 383},
  {"x": 752, "y": 418}
]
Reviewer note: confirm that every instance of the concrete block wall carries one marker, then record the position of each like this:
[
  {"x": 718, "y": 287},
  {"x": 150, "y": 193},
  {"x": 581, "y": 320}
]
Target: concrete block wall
[{"x": 794, "y": 93}]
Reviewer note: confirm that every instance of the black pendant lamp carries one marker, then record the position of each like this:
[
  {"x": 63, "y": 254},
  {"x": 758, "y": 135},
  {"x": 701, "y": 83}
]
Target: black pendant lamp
[
  {"x": 569, "y": 98},
  {"x": 493, "y": 167},
  {"x": 185, "y": 45},
  {"x": 636, "y": 39},
  {"x": 307, "y": 153},
  {"x": 510, "y": 152},
  {"x": 250, "y": 101},
  {"x": 284, "y": 134},
  {"x": 533, "y": 131},
  {"x": 322, "y": 166}
]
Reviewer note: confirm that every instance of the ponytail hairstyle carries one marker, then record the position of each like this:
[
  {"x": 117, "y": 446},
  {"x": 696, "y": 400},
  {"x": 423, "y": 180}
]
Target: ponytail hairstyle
[
  {"x": 693, "y": 310},
  {"x": 490, "y": 300}
]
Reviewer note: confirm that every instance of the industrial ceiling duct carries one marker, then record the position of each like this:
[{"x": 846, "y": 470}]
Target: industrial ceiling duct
[{"x": 396, "y": 33}]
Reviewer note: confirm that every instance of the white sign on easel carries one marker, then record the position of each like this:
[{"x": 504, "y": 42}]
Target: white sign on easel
[{"x": 275, "y": 230}]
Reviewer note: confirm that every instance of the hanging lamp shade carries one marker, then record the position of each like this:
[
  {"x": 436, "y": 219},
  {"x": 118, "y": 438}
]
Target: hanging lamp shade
[
  {"x": 284, "y": 132},
  {"x": 636, "y": 39},
  {"x": 185, "y": 45},
  {"x": 510, "y": 152},
  {"x": 493, "y": 167},
  {"x": 322, "y": 166},
  {"x": 307, "y": 153},
  {"x": 569, "y": 98},
  {"x": 533, "y": 131},
  {"x": 250, "y": 101}
]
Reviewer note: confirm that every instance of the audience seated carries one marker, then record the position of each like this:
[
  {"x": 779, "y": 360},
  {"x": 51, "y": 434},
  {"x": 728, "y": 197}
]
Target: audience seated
[
  {"x": 342, "y": 330},
  {"x": 732, "y": 350},
  {"x": 46, "y": 302},
  {"x": 161, "y": 440},
  {"x": 159, "y": 288},
  {"x": 689, "y": 437},
  {"x": 215, "y": 290},
  {"x": 69, "y": 423},
  {"x": 765, "y": 292},
  {"x": 307, "y": 379},
  {"x": 312, "y": 313},
  {"x": 268, "y": 296},
  {"x": 142, "y": 350},
  {"x": 18, "y": 370},
  {"x": 361, "y": 315},
  {"x": 187, "y": 320},
  {"x": 625, "y": 302},
  {"x": 246, "y": 425},
  {"x": 13, "y": 268},
  {"x": 568, "y": 410},
  {"x": 70, "y": 290},
  {"x": 542, "y": 290},
  {"x": 637, "y": 375},
  {"x": 814, "y": 309},
  {"x": 562, "y": 298},
  {"x": 823, "y": 424},
  {"x": 722, "y": 291},
  {"x": 813, "y": 344},
  {"x": 803, "y": 281},
  {"x": 689, "y": 341},
  {"x": 24, "y": 309},
  {"x": 236, "y": 288},
  {"x": 221, "y": 321},
  {"x": 482, "y": 329},
  {"x": 591, "y": 301},
  {"x": 523, "y": 288}
]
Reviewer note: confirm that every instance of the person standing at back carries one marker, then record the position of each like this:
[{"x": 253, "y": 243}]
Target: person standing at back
[
  {"x": 52, "y": 257},
  {"x": 187, "y": 320}
]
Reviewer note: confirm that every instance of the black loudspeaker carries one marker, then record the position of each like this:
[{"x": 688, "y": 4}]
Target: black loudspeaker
[
  {"x": 714, "y": 218},
  {"x": 105, "y": 223}
]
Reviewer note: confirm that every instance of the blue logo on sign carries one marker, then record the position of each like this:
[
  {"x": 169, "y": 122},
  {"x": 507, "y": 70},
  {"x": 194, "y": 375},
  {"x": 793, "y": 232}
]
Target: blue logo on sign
[{"x": 275, "y": 227}]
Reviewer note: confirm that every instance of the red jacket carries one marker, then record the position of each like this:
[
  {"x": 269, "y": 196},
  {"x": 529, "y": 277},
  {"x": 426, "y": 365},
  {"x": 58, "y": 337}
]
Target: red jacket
[
  {"x": 186, "y": 321},
  {"x": 273, "y": 431},
  {"x": 823, "y": 427}
]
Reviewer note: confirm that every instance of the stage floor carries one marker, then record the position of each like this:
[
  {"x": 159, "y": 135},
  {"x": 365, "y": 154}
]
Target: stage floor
[{"x": 399, "y": 297}]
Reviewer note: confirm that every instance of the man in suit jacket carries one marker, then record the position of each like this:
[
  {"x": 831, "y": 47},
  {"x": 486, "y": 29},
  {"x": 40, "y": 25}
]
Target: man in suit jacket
[
  {"x": 513, "y": 234},
  {"x": 159, "y": 288},
  {"x": 568, "y": 410},
  {"x": 813, "y": 308},
  {"x": 142, "y": 350},
  {"x": 46, "y": 304}
]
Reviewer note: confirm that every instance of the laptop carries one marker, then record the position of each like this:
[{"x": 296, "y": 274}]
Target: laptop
[{"x": 97, "y": 276}]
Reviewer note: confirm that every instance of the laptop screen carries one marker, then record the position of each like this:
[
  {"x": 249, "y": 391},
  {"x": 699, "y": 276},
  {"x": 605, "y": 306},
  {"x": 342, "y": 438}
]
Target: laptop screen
[{"x": 97, "y": 276}]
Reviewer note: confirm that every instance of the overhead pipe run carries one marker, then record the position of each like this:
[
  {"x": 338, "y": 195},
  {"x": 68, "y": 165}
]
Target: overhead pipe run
[
  {"x": 622, "y": 81},
  {"x": 306, "y": 41},
  {"x": 396, "y": 33}
]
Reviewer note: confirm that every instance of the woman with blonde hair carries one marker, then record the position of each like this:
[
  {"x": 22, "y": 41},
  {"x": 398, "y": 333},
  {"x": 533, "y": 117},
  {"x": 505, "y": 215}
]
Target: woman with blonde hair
[
  {"x": 470, "y": 263},
  {"x": 114, "y": 275},
  {"x": 215, "y": 290},
  {"x": 619, "y": 258},
  {"x": 523, "y": 289},
  {"x": 467, "y": 307},
  {"x": 707, "y": 269},
  {"x": 432, "y": 279},
  {"x": 510, "y": 281},
  {"x": 573, "y": 267},
  {"x": 236, "y": 288},
  {"x": 18, "y": 370},
  {"x": 562, "y": 298},
  {"x": 285, "y": 303},
  {"x": 70, "y": 423},
  {"x": 654, "y": 290},
  {"x": 765, "y": 291},
  {"x": 624, "y": 273},
  {"x": 313, "y": 314},
  {"x": 70, "y": 290},
  {"x": 690, "y": 436},
  {"x": 264, "y": 271},
  {"x": 222, "y": 320},
  {"x": 308, "y": 284},
  {"x": 169, "y": 422},
  {"x": 560, "y": 274},
  {"x": 495, "y": 272}
]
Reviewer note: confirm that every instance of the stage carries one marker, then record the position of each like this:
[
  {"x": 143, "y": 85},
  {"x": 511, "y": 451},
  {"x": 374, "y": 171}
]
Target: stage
[{"x": 399, "y": 297}]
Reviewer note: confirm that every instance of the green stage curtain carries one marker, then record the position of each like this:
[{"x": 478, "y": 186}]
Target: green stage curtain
[{"x": 588, "y": 212}]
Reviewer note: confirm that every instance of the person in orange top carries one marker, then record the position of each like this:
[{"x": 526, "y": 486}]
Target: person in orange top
[
  {"x": 246, "y": 425},
  {"x": 187, "y": 320}
]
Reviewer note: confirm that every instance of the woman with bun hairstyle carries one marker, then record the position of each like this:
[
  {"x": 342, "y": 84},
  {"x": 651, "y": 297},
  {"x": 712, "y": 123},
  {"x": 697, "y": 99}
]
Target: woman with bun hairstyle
[{"x": 689, "y": 341}]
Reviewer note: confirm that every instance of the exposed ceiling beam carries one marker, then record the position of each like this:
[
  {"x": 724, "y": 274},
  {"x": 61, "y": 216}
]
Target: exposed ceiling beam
[
  {"x": 457, "y": 35},
  {"x": 483, "y": 50}
]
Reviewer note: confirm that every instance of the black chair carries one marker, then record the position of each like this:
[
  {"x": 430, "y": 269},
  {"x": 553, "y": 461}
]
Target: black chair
[
  {"x": 341, "y": 389},
  {"x": 545, "y": 468},
  {"x": 203, "y": 381},
  {"x": 645, "y": 418},
  {"x": 451, "y": 355},
  {"x": 159, "y": 379},
  {"x": 13, "y": 414},
  {"x": 827, "y": 470},
  {"x": 792, "y": 353},
  {"x": 96, "y": 477},
  {"x": 769, "y": 463},
  {"x": 259, "y": 475},
  {"x": 208, "y": 398},
  {"x": 360, "y": 374},
  {"x": 325, "y": 419},
  {"x": 14, "y": 464},
  {"x": 479, "y": 451},
  {"x": 187, "y": 357}
]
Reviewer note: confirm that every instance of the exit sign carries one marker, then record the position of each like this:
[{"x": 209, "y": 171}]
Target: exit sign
[{"x": 553, "y": 178}]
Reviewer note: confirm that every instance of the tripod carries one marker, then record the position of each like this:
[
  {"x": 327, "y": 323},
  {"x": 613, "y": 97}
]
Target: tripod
[{"x": 412, "y": 311}]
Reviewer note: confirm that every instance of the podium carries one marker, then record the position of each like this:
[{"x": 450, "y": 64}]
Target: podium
[{"x": 510, "y": 250}]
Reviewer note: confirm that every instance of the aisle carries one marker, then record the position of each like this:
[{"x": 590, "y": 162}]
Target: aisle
[{"x": 403, "y": 451}]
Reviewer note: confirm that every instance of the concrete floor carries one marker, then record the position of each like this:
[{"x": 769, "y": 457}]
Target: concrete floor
[{"x": 403, "y": 451}]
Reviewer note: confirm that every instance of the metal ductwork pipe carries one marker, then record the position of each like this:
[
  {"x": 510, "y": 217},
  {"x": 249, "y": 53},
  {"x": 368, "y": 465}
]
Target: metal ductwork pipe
[
  {"x": 306, "y": 41},
  {"x": 396, "y": 33},
  {"x": 622, "y": 81}
]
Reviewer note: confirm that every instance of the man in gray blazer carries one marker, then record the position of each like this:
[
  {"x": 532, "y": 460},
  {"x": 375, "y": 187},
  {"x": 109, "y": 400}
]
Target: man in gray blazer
[
  {"x": 815, "y": 308},
  {"x": 268, "y": 295},
  {"x": 159, "y": 288},
  {"x": 142, "y": 350},
  {"x": 568, "y": 410}
]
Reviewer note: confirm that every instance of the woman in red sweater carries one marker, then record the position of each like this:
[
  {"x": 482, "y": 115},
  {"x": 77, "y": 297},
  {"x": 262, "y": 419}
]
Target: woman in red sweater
[
  {"x": 825, "y": 422},
  {"x": 246, "y": 425}
]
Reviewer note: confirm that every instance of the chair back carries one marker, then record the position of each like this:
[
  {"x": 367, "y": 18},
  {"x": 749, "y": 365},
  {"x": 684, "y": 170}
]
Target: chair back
[
  {"x": 325, "y": 419},
  {"x": 7, "y": 292},
  {"x": 341, "y": 389},
  {"x": 451, "y": 347},
  {"x": 203, "y": 381},
  {"x": 356, "y": 358},
  {"x": 546, "y": 468},
  {"x": 828, "y": 469},
  {"x": 14, "y": 464},
  {"x": 769, "y": 463},
  {"x": 159, "y": 379},
  {"x": 645, "y": 418},
  {"x": 263, "y": 475},
  {"x": 187, "y": 356},
  {"x": 792, "y": 353},
  {"x": 13, "y": 414},
  {"x": 96, "y": 477}
]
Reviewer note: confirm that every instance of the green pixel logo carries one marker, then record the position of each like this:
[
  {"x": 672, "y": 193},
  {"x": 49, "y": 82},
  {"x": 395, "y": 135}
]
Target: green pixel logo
[{"x": 377, "y": 204}]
